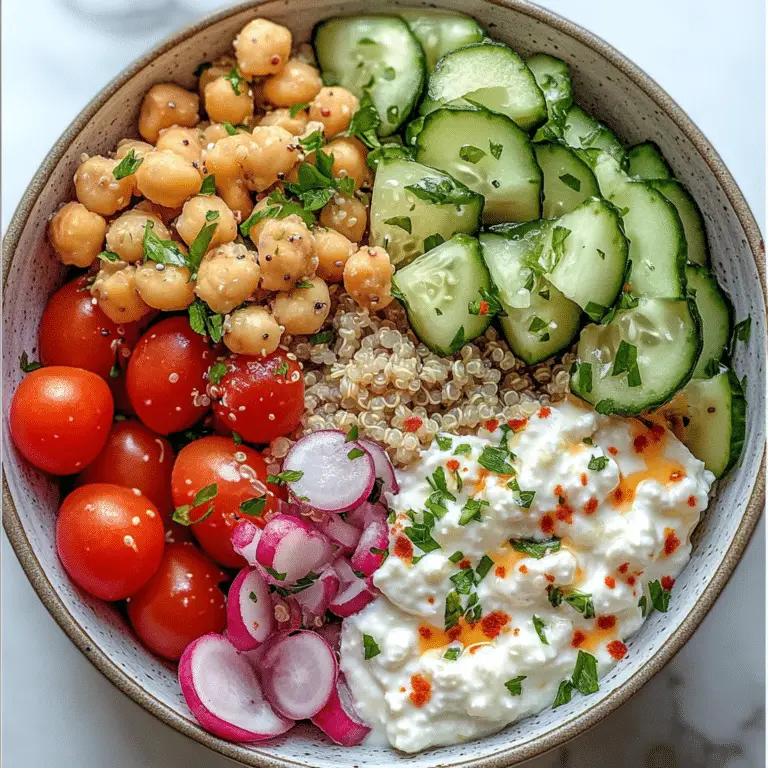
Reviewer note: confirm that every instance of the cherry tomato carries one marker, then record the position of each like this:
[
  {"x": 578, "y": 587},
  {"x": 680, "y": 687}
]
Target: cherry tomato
[
  {"x": 239, "y": 473},
  {"x": 180, "y": 602},
  {"x": 74, "y": 331},
  {"x": 109, "y": 539},
  {"x": 260, "y": 398},
  {"x": 167, "y": 376},
  {"x": 60, "y": 418}
]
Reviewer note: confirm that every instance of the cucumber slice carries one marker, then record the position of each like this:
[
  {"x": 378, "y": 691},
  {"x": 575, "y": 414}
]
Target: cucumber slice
[
  {"x": 640, "y": 358},
  {"x": 541, "y": 322},
  {"x": 374, "y": 53},
  {"x": 493, "y": 76},
  {"x": 582, "y": 131},
  {"x": 441, "y": 32},
  {"x": 657, "y": 246},
  {"x": 716, "y": 314},
  {"x": 647, "y": 162},
  {"x": 402, "y": 221},
  {"x": 568, "y": 180},
  {"x": 436, "y": 290},
  {"x": 690, "y": 216},
  {"x": 709, "y": 416},
  {"x": 488, "y": 153},
  {"x": 554, "y": 78}
]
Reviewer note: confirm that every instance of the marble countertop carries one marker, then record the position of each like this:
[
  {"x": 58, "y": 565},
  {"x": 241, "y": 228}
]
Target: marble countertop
[{"x": 704, "y": 710}]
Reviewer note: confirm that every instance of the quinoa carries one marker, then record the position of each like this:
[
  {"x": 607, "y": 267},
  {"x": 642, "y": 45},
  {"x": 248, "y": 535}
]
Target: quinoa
[{"x": 376, "y": 374}]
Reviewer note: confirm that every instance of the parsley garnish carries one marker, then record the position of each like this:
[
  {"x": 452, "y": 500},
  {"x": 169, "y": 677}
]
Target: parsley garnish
[
  {"x": 205, "y": 323},
  {"x": 626, "y": 362},
  {"x": 127, "y": 166},
  {"x": 235, "y": 79},
  {"x": 554, "y": 595},
  {"x": 161, "y": 251},
  {"x": 274, "y": 574},
  {"x": 441, "y": 191},
  {"x": 181, "y": 514},
  {"x": 388, "y": 152},
  {"x": 365, "y": 122},
  {"x": 581, "y": 602},
  {"x": 208, "y": 187},
  {"x": 420, "y": 535},
  {"x": 355, "y": 453},
  {"x": 404, "y": 222},
  {"x": 514, "y": 686},
  {"x": 585, "y": 377},
  {"x": 538, "y": 625},
  {"x": 490, "y": 298},
  {"x": 352, "y": 434},
  {"x": 524, "y": 498},
  {"x": 595, "y": 311},
  {"x": 217, "y": 372},
  {"x": 559, "y": 236},
  {"x": 253, "y": 507},
  {"x": 108, "y": 256},
  {"x": 537, "y": 324},
  {"x": 452, "y": 654},
  {"x": 456, "y": 556},
  {"x": 444, "y": 443},
  {"x": 28, "y": 365},
  {"x": 496, "y": 149},
  {"x": 278, "y": 207},
  {"x": 659, "y": 596},
  {"x": 464, "y": 580},
  {"x": 470, "y": 154},
  {"x": 483, "y": 567},
  {"x": 453, "y": 609},
  {"x": 743, "y": 330},
  {"x": 432, "y": 242},
  {"x": 495, "y": 459},
  {"x": 324, "y": 337},
  {"x": 200, "y": 244},
  {"x": 564, "y": 693},
  {"x": 296, "y": 108},
  {"x": 282, "y": 369},
  {"x": 598, "y": 463},
  {"x": 472, "y": 510},
  {"x": 571, "y": 181},
  {"x": 535, "y": 549},
  {"x": 465, "y": 449},
  {"x": 585, "y": 674},
  {"x": 371, "y": 647},
  {"x": 286, "y": 476}
]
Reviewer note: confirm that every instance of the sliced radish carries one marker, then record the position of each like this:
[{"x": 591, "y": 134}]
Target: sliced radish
[
  {"x": 340, "y": 532},
  {"x": 338, "y": 719},
  {"x": 315, "y": 599},
  {"x": 361, "y": 517},
  {"x": 371, "y": 549},
  {"x": 298, "y": 672},
  {"x": 354, "y": 593},
  {"x": 287, "y": 612},
  {"x": 250, "y": 615},
  {"x": 337, "y": 475},
  {"x": 289, "y": 548},
  {"x": 331, "y": 631},
  {"x": 223, "y": 692},
  {"x": 245, "y": 538},
  {"x": 382, "y": 466}
]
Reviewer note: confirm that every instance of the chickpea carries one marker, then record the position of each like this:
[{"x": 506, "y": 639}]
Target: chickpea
[
  {"x": 222, "y": 66},
  {"x": 296, "y": 84},
  {"x": 125, "y": 235},
  {"x": 165, "y": 286},
  {"x": 235, "y": 194},
  {"x": 115, "y": 290},
  {"x": 262, "y": 48},
  {"x": 349, "y": 160},
  {"x": 368, "y": 277},
  {"x": 223, "y": 104},
  {"x": 303, "y": 310},
  {"x": 97, "y": 188},
  {"x": 165, "y": 105},
  {"x": 124, "y": 146},
  {"x": 213, "y": 133},
  {"x": 285, "y": 253},
  {"x": 334, "y": 107},
  {"x": 252, "y": 331},
  {"x": 282, "y": 118},
  {"x": 255, "y": 231},
  {"x": 167, "y": 179},
  {"x": 332, "y": 250},
  {"x": 193, "y": 219},
  {"x": 166, "y": 215},
  {"x": 224, "y": 160},
  {"x": 228, "y": 275},
  {"x": 272, "y": 159},
  {"x": 185, "y": 142},
  {"x": 76, "y": 234},
  {"x": 346, "y": 215}
]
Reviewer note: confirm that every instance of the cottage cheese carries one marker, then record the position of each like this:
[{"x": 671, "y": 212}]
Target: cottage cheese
[{"x": 618, "y": 498}]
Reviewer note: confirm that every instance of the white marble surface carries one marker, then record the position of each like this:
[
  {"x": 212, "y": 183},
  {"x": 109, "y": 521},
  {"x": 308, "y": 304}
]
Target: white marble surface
[{"x": 705, "y": 710}]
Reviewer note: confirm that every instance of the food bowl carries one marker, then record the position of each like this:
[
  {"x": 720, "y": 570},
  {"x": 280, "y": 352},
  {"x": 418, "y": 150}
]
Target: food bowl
[{"x": 615, "y": 91}]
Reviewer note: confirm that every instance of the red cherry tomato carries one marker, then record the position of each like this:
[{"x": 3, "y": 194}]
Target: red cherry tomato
[
  {"x": 109, "y": 539},
  {"x": 180, "y": 602},
  {"x": 60, "y": 418},
  {"x": 167, "y": 376},
  {"x": 74, "y": 331},
  {"x": 260, "y": 398},
  {"x": 239, "y": 473}
]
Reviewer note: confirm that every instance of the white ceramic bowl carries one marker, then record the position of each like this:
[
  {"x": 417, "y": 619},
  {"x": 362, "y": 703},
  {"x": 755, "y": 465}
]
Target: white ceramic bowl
[{"x": 607, "y": 85}]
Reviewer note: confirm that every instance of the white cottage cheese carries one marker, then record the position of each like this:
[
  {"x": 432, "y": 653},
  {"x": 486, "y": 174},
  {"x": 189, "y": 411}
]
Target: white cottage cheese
[{"x": 619, "y": 500}]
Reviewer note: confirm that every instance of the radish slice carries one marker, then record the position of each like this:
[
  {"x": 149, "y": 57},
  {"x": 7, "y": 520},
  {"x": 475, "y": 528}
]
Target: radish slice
[
  {"x": 338, "y": 719},
  {"x": 250, "y": 615},
  {"x": 371, "y": 549},
  {"x": 289, "y": 548},
  {"x": 354, "y": 593},
  {"x": 362, "y": 516},
  {"x": 298, "y": 672},
  {"x": 314, "y": 600},
  {"x": 331, "y": 631},
  {"x": 336, "y": 475},
  {"x": 382, "y": 465},
  {"x": 340, "y": 531},
  {"x": 245, "y": 538},
  {"x": 287, "y": 612},
  {"x": 224, "y": 694}
]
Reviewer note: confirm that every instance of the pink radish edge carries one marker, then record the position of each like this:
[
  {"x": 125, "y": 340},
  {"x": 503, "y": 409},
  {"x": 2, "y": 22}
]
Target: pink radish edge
[
  {"x": 291, "y": 547},
  {"x": 338, "y": 719},
  {"x": 245, "y": 538},
  {"x": 382, "y": 465},
  {"x": 354, "y": 593},
  {"x": 250, "y": 614},
  {"x": 371, "y": 548},
  {"x": 314, "y": 600}
]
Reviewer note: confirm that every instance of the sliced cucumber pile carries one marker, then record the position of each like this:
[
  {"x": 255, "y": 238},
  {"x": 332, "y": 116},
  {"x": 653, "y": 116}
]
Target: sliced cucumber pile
[
  {"x": 488, "y": 153},
  {"x": 489, "y": 75},
  {"x": 554, "y": 79},
  {"x": 640, "y": 358},
  {"x": 415, "y": 208},
  {"x": 437, "y": 290},
  {"x": 716, "y": 314},
  {"x": 441, "y": 32},
  {"x": 582, "y": 131},
  {"x": 647, "y": 162},
  {"x": 568, "y": 180},
  {"x": 690, "y": 216},
  {"x": 378, "y": 54}
]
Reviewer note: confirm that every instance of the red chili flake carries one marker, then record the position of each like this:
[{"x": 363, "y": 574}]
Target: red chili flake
[
  {"x": 564, "y": 514},
  {"x": 431, "y": 600},
  {"x": 412, "y": 424},
  {"x": 691, "y": 501},
  {"x": 517, "y": 424},
  {"x": 617, "y": 649},
  {"x": 474, "y": 649},
  {"x": 631, "y": 580},
  {"x": 491, "y": 425},
  {"x": 523, "y": 569},
  {"x": 454, "y": 632},
  {"x": 547, "y": 524},
  {"x": 516, "y": 631},
  {"x": 591, "y": 506},
  {"x": 425, "y": 632},
  {"x": 422, "y": 691},
  {"x": 550, "y": 577},
  {"x": 544, "y": 412},
  {"x": 657, "y": 432},
  {"x": 671, "y": 542},
  {"x": 483, "y": 308},
  {"x": 606, "y": 622},
  {"x": 403, "y": 548},
  {"x": 676, "y": 477},
  {"x": 452, "y": 464},
  {"x": 610, "y": 582},
  {"x": 667, "y": 582},
  {"x": 325, "y": 112},
  {"x": 500, "y": 571},
  {"x": 493, "y": 623},
  {"x": 623, "y": 568},
  {"x": 464, "y": 564},
  {"x": 640, "y": 443},
  {"x": 627, "y": 287},
  {"x": 613, "y": 450},
  {"x": 558, "y": 491},
  {"x": 584, "y": 478},
  {"x": 578, "y": 638}
]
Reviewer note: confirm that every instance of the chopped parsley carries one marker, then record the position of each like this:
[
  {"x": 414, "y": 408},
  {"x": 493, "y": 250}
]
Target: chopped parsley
[
  {"x": 559, "y": 236},
  {"x": 538, "y": 625},
  {"x": 432, "y": 242},
  {"x": 743, "y": 330},
  {"x": 205, "y": 494},
  {"x": 253, "y": 507},
  {"x": 458, "y": 340},
  {"x": 355, "y": 453},
  {"x": 235, "y": 80},
  {"x": 470, "y": 154},
  {"x": 483, "y": 568},
  {"x": 286, "y": 476},
  {"x": 581, "y": 602},
  {"x": 595, "y": 311},
  {"x": 535, "y": 549},
  {"x": 217, "y": 372},
  {"x": 464, "y": 449},
  {"x": 571, "y": 181},
  {"x": 441, "y": 191},
  {"x": 274, "y": 574},
  {"x": 444, "y": 443},
  {"x": 365, "y": 122},
  {"x": 453, "y": 609},
  {"x": 496, "y": 149},
  {"x": 28, "y": 365},
  {"x": 456, "y": 556},
  {"x": 324, "y": 337},
  {"x": 495, "y": 459},
  {"x": 282, "y": 369},
  {"x": 524, "y": 498},
  {"x": 463, "y": 581},
  {"x": 585, "y": 674},
  {"x": 452, "y": 654},
  {"x": 585, "y": 377},
  {"x": 514, "y": 686},
  {"x": 370, "y": 647},
  {"x": 352, "y": 434},
  {"x": 204, "y": 322},
  {"x": 598, "y": 463},
  {"x": 127, "y": 166},
  {"x": 489, "y": 304},
  {"x": 421, "y": 536},
  {"x": 564, "y": 693},
  {"x": 659, "y": 596},
  {"x": 404, "y": 222},
  {"x": 472, "y": 510},
  {"x": 296, "y": 108},
  {"x": 626, "y": 362},
  {"x": 208, "y": 187}
]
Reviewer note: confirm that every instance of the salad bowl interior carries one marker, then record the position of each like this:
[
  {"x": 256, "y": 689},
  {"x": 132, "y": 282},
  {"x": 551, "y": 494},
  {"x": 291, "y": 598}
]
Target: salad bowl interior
[{"x": 609, "y": 87}]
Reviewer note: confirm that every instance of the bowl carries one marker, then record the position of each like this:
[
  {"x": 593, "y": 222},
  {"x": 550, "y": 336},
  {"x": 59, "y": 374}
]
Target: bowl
[{"x": 606, "y": 84}]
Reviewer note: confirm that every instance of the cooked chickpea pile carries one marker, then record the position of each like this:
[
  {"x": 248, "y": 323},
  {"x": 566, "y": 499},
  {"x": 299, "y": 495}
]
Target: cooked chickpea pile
[{"x": 190, "y": 183}]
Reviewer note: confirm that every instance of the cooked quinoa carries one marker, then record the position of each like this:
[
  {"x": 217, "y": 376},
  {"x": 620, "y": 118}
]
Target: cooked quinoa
[{"x": 376, "y": 374}]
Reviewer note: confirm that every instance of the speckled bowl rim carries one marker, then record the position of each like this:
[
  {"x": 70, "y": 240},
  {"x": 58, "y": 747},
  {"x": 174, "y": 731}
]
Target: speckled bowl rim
[{"x": 505, "y": 756}]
